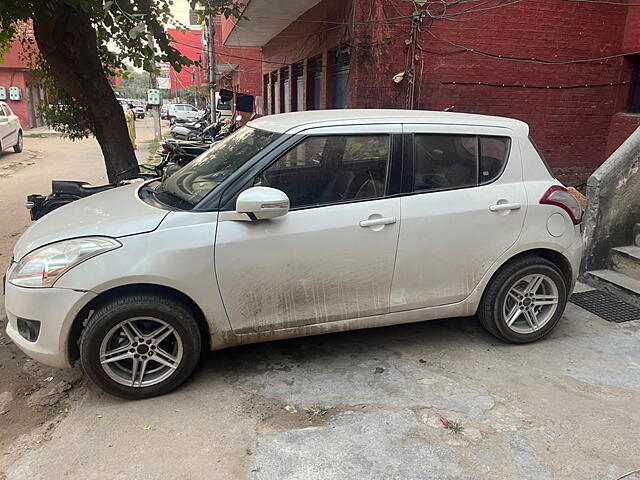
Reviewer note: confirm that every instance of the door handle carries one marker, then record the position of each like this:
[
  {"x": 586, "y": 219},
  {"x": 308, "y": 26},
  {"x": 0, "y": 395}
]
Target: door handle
[
  {"x": 501, "y": 207},
  {"x": 378, "y": 221}
]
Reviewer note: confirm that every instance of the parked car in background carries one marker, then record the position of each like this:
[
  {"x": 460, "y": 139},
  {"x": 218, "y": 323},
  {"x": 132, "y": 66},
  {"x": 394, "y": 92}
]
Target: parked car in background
[
  {"x": 182, "y": 111},
  {"x": 299, "y": 224},
  {"x": 138, "y": 108},
  {"x": 164, "y": 111},
  {"x": 10, "y": 130}
]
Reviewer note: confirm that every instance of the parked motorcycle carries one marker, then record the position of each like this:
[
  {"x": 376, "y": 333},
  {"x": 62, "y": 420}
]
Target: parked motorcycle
[
  {"x": 191, "y": 130},
  {"x": 174, "y": 155}
]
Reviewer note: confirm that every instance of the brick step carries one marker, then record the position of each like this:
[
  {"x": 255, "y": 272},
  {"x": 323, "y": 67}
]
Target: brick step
[
  {"x": 625, "y": 287},
  {"x": 626, "y": 260}
]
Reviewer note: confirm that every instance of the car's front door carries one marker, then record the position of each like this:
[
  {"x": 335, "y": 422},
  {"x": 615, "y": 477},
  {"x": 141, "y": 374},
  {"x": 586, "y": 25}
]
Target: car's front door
[
  {"x": 331, "y": 258},
  {"x": 464, "y": 206}
]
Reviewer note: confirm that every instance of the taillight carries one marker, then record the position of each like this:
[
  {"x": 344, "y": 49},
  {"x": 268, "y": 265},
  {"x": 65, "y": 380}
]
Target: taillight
[{"x": 561, "y": 197}]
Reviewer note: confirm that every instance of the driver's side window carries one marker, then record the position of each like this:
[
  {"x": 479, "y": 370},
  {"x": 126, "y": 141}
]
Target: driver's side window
[{"x": 322, "y": 170}]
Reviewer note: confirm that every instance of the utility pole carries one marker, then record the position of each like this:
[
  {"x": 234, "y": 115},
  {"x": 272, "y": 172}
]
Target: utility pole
[
  {"x": 153, "y": 81},
  {"x": 211, "y": 50}
]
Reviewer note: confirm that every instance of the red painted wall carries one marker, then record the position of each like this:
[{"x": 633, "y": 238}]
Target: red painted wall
[
  {"x": 189, "y": 43},
  {"x": 577, "y": 128},
  {"x": 247, "y": 78},
  {"x": 14, "y": 73}
]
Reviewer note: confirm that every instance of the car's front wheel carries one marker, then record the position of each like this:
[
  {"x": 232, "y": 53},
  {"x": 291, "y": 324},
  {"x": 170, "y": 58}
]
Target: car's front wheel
[
  {"x": 524, "y": 301},
  {"x": 18, "y": 146},
  {"x": 140, "y": 346}
]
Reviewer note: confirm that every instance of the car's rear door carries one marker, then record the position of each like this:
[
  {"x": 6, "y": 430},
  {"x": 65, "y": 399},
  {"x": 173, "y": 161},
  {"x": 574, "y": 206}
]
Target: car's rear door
[
  {"x": 463, "y": 206},
  {"x": 331, "y": 258},
  {"x": 9, "y": 130}
]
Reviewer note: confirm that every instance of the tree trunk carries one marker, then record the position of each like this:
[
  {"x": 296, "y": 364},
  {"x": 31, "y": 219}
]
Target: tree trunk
[{"x": 67, "y": 42}]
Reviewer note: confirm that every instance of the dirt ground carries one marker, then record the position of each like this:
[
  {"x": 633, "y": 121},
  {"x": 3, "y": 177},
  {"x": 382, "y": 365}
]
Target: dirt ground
[
  {"x": 33, "y": 395},
  {"x": 429, "y": 401}
]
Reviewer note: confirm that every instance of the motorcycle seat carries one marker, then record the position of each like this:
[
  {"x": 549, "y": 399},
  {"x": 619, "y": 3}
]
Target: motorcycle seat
[{"x": 80, "y": 189}]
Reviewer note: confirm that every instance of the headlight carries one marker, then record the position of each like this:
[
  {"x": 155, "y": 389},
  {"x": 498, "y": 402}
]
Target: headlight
[{"x": 44, "y": 266}]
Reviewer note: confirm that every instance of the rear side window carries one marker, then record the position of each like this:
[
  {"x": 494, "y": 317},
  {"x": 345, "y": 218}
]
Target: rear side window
[
  {"x": 493, "y": 157},
  {"x": 443, "y": 162},
  {"x": 446, "y": 162}
]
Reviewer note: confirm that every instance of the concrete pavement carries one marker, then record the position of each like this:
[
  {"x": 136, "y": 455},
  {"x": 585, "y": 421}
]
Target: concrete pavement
[{"x": 372, "y": 405}]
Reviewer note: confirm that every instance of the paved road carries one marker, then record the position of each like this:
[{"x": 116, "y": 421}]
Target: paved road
[{"x": 367, "y": 405}]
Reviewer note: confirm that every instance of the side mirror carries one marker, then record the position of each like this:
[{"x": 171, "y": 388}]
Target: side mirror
[{"x": 262, "y": 203}]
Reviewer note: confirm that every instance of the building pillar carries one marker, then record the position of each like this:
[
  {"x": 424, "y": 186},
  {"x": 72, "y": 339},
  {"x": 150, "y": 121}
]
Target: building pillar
[{"x": 326, "y": 93}]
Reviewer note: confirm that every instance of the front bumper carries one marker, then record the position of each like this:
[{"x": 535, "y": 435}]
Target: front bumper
[{"x": 55, "y": 309}]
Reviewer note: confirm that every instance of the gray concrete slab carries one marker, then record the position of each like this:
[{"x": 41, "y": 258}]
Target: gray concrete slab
[{"x": 372, "y": 405}]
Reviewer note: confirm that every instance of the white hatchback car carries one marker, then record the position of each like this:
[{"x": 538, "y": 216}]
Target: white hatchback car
[
  {"x": 299, "y": 224},
  {"x": 10, "y": 129},
  {"x": 174, "y": 111}
]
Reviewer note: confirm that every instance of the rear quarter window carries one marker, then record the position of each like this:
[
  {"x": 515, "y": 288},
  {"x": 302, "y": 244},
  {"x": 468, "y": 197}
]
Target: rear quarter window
[{"x": 493, "y": 153}]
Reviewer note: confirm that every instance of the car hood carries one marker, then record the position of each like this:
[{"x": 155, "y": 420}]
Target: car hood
[{"x": 114, "y": 213}]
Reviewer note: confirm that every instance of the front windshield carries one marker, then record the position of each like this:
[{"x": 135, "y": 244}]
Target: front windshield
[{"x": 198, "y": 178}]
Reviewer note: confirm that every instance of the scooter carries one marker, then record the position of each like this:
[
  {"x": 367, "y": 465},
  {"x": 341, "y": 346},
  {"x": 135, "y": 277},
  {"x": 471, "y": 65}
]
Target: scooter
[
  {"x": 190, "y": 130},
  {"x": 175, "y": 154},
  {"x": 67, "y": 191}
]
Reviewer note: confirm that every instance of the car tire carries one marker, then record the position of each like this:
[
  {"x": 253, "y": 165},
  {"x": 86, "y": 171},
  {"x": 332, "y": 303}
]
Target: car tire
[
  {"x": 115, "y": 330},
  {"x": 18, "y": 146},
  {"x": 514, "y": 310},
  {"x": 172, "y": 120}
]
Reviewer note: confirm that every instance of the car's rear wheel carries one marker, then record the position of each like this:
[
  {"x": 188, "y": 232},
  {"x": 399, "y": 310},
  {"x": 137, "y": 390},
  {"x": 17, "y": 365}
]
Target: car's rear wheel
[
  {"x": 18, "y": 146},
  {"x": 172, "y": 120},
  {"x": 140, "y": 346},
  {"x": 524, "y": 301}
]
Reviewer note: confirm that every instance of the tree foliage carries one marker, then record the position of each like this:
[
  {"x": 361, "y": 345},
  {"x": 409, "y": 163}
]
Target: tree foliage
[{"x": 127, "y": 32}]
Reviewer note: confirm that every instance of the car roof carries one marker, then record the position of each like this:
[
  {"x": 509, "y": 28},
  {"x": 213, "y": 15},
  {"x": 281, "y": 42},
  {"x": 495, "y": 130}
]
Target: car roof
[{"x": 285, "y": 122}]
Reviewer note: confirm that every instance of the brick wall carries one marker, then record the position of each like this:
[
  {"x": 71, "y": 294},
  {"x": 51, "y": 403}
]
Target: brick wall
[
  {"x": 576, "y": 128},
  {"x": 247, "y": 77}
]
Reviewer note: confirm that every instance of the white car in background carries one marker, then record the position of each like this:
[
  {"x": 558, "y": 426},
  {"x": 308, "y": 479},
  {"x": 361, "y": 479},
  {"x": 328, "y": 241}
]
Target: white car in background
[
  {"x": 182, "y": 111},
  {"x": 299, "y": 224},
  {"x": 10, "y": 130}
]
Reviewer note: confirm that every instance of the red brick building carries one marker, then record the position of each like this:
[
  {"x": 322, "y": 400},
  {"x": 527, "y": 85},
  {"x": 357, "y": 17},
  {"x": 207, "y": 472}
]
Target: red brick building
[
  {"x": 236, "y": 68},
  {"x": 15, "y": 73},
  {"x": 566, "y": 67}
]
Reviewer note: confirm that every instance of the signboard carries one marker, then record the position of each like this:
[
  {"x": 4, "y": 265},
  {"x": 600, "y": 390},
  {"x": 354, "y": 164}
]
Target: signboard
[
  {"x": 164, "y": 81},
  {"x": 153, "y": 97}
]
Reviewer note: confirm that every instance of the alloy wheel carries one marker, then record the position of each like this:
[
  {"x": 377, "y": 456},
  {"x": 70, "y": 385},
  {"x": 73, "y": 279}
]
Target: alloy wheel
[
  {"x": 530, "y": 304},
  {"x": 141, "y": 352}
]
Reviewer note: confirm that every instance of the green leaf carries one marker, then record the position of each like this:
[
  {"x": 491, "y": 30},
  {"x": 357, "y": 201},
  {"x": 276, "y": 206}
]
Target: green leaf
[{"x": 136, "y": 31}]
